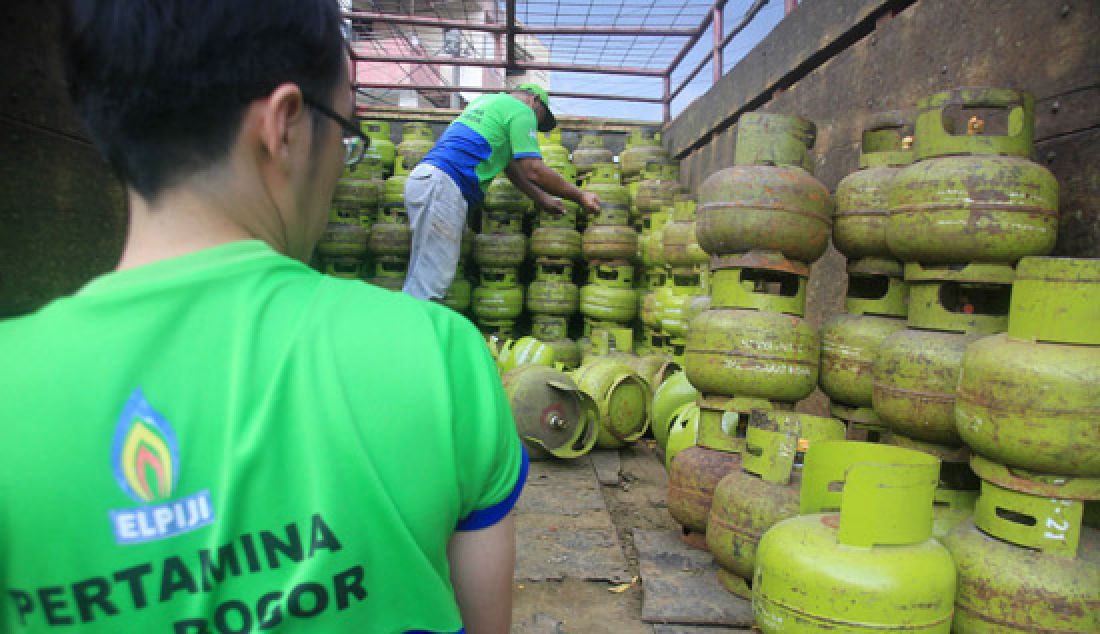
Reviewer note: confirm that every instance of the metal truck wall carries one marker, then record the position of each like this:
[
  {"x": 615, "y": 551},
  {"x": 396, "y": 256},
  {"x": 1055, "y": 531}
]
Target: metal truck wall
[{"x": 836, "y": 63}]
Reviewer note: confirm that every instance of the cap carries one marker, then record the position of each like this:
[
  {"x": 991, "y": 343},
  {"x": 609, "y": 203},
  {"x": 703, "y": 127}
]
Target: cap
[{"x": 540, "y": 92}]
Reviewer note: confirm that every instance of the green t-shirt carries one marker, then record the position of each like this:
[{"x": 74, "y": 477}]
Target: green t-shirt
[
  {"x": 490, "y": 132},
  {"x": 228, "y": 440}
]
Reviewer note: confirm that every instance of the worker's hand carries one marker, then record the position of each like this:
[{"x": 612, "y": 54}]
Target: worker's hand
[
  {"x": 553, "y": 205},
  {"x": 590, "y": 202}
]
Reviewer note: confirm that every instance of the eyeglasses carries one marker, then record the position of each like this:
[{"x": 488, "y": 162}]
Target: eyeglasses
[{"x": 355, "y": 142}]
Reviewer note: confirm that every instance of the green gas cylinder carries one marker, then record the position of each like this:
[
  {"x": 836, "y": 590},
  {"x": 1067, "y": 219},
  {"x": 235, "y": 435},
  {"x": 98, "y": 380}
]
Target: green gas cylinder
[
  {"x": 749, "y": 502},
  {"x": 765, "y": 204},
  {"x": 503, "y": 196},
  {"x": 555, "y": 242},
  {"x": 693, "y": 474},
  {"x": 862, "y": 197},
  {"x": 1030, "y": 398},
  {"x": 416, "y": 139},
  {"x": 380, "y": 142},
  {"x": 916, "y": 370},
  {"x": 605, "y": 181},
  {"x": 497, "y": 302},
  {"x": 752, "y": 353},
  {"x": 673, "y": 299},
  {"x": 759, "y": 280},
  {"x": 973, "y": 196},
  {"x": 622, "y": 399},
  {"x": 609, "y": 242},
  {"x": 553, "y": 291},
  {"x": 658, "y": 186},
  {"x": 877, "y": 305},
  {"x": 553, "y": 416},
  {"x": 356, "y": 197},
  {"x": 590, "y": 152},
  {"x": 513, "y": 353},
  {"x": 774, "y": 139},
  {"x": 553, "y": 152},
  {"x": 683, "y": 431},
  {"x": 642, "y": 146},
  {"x": 670, "y": 396},
  {"x": 345, "y": 267},
  {"x": 678, "y": 242},
  {"x": 724, "y": 420},
  {"x": 500, "y": 249},
  {"x": 391, "y": 208},
  {"x": 860, "y": 557},
  {"x": 343, "y": 240},
  {"x": 1026, "y": 564},
  {"x": 460, "y": 293}
]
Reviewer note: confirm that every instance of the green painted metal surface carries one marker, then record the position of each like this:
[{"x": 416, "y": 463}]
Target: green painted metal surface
[
  {"x": 753, "y": 353},
  {"x": 1056, "y": 300},
  {"x": 622, "y": 399},
  {"x": 1026, "y": 564},
  {"x": 876, "y": 287},
  {"x": 497, "y": 303},
  {"x": 683, "y": 431},
  {"x": 555, "y": 242},
  {"x": 762, "y": 282},
  {"x": 765, "y": 208},
  {"x": 1032, "y": 405},
  {"x": 914, "y": 377},
  {"x": 849, "y": 344},
  {"x": 381, "y": 145},
  {"x": 749, "y": 502},
  {"x": 609, "y": 242},
  {"x": 669, "y": 397},
  {"x": 500, "y": 250},
  {"x": 849, "y": 561},
  {"x": 724, "y": 421},
  {"x": 416, "y": 140},
  {"x": 589, "y": 152},
  {"x": 973, "y": 298},
  {"x": 774, "y": 139},
  {"x": 642, "y": 146},
  {"x": 339, "y": 240}
]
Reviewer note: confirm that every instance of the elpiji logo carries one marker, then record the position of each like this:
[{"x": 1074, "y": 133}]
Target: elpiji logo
[{"x": 145, "y": 457}]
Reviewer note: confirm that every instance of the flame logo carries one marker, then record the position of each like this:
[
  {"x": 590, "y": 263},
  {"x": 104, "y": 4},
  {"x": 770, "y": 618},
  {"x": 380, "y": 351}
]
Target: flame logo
[{"x": 145, "y": 452}]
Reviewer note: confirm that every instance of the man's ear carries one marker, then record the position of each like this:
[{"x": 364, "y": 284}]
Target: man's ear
[{"x": 279, "y": 115}]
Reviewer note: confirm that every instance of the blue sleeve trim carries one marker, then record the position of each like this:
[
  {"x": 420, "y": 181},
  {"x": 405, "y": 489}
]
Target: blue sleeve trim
[
  {"x": 527, "y": 155},
  {"x": 484, "y": 518}
]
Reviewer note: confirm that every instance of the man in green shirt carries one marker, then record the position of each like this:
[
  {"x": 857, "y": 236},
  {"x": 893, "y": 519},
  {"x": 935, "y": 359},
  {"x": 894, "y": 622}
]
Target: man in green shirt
[
  {"x": 215, "y": 438},
  {"x": 494, "y": 133}
]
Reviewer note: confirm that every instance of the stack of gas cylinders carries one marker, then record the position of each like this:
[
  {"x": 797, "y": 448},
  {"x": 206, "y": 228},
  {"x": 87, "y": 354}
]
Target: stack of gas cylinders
[{"x": 762, "y": 222}]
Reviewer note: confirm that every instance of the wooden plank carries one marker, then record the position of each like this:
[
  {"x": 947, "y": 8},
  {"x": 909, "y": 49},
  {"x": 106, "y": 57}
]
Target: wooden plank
[
  {"x": 563, "y": 528},
  {"x": 680, "y": 584},
  {"x": 815, "y": 25},
  {"x": 607, "y": 464}
]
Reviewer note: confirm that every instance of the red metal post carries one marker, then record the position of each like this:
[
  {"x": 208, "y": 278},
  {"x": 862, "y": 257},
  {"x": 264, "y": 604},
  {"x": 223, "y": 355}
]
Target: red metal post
[
  {"x": 489, "y": 63},
  {"x": 667, "y": 100},
  {"x": 789, "y": 5},
  {"x": 452, "y": 89},
  {"x": 717, "y": 39}
]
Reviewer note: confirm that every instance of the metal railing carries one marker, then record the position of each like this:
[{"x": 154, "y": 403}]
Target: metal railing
[{"x": 505, "y": 33}]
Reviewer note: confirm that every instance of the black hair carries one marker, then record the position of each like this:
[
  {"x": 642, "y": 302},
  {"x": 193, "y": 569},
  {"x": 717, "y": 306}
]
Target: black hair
[{"x": 163, "y": 84}]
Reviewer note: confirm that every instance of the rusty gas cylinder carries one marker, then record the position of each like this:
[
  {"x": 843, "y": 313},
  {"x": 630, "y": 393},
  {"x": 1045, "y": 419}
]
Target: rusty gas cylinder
[
  {"x": 916, "y": 370},
  {"x": 553, "y": 416},
  {"x": 973, "y": 195},
  {"x": 749, "y": 502},
  {"x": 416, "y": 140},
  {"x": 643, "y": 145},
  {"x": 877, "y": 305},
  {"x": 693, "y": 475},
  {"x": 753, "y": 353},
  {"x": 589, "y": 152},
  {"x": 765, "y": 204},
  {"x": 1030, "y": 398},
  {"x": 553, "y": 152},
  {"x": 659, "y": 184},
  {"x": 678, "y": 242},
  {"x": 500, "y": 250},
  {"x": 759, "y": 280},
  {"x": 862, "y": 197},
  {"x": 1026, "y": 563},
  {"x": 343, "y": 240}
]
